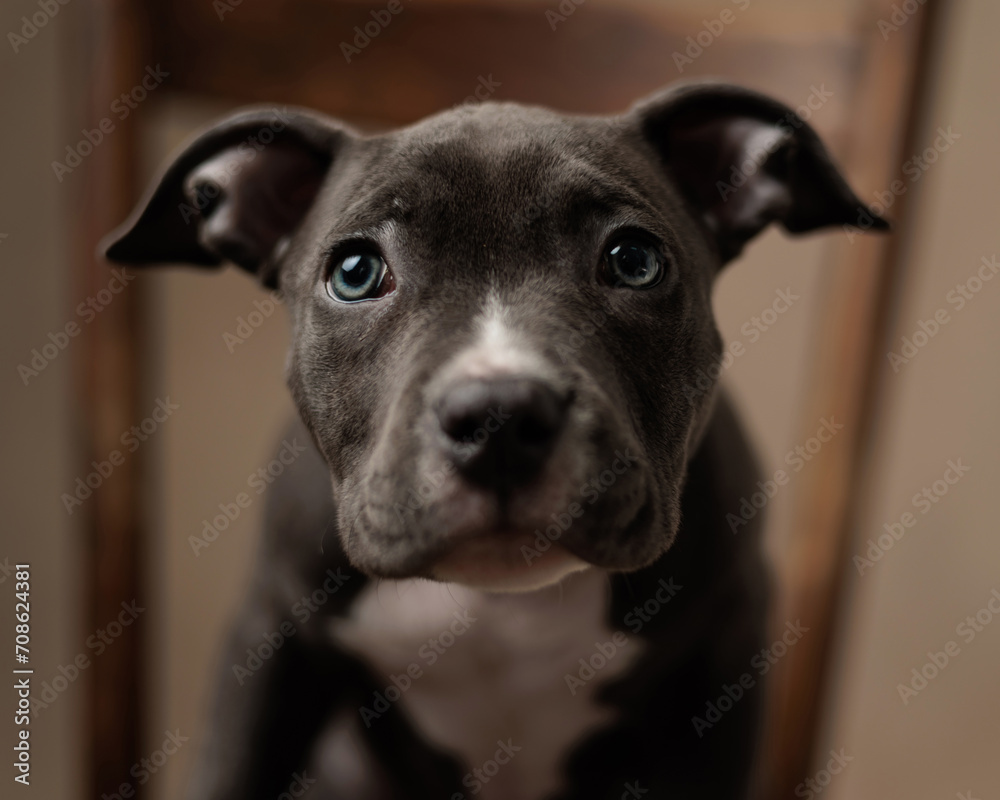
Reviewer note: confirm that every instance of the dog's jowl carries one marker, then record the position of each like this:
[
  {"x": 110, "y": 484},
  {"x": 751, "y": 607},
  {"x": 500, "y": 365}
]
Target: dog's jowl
[{"x": 497, "y": 314}]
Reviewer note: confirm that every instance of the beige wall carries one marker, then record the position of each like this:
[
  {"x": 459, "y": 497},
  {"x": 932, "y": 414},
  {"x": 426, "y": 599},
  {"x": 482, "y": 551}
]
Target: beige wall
[
  {"x": 36, "y": 420},
  {"x": 942, "y": 405}
]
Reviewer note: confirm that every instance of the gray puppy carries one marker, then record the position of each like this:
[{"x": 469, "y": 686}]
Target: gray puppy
[{"x": 502, "y": 325}]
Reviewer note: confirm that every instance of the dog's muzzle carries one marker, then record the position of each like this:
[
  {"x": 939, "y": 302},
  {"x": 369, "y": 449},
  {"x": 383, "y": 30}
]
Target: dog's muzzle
[{"x": 500, "y": 432}]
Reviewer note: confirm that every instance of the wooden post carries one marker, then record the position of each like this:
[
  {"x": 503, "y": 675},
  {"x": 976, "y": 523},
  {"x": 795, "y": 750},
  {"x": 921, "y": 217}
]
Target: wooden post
[
  {"x": 865, "y": 277},
  {"x": 110, "y": 44}
]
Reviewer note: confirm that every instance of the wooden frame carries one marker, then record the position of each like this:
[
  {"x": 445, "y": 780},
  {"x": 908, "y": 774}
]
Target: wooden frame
[
  {"x": 111, "y": 50},
  {"x": 845, "y": 384}
]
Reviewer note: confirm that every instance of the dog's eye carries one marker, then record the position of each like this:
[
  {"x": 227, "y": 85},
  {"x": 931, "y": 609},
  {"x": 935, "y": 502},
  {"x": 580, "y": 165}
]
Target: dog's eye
[
  {"x": 631, "y": 263},
  {"x": 359, "y": 276}
]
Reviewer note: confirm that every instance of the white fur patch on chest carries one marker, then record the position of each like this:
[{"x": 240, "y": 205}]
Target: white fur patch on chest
[{"x": 485, "y": 676}]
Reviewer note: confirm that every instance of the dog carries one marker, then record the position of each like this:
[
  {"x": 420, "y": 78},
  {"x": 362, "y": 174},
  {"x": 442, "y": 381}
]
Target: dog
[{"x": 504, "y": 569}]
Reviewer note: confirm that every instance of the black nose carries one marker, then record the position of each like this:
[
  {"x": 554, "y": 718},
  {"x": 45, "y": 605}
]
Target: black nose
[{"x": 500, "y": 432}]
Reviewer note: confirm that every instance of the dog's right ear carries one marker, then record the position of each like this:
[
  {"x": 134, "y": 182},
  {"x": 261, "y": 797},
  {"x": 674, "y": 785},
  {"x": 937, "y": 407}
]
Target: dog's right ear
[
  {"x": 743, "y": 160},
  {"x": 234, "y": 192}
]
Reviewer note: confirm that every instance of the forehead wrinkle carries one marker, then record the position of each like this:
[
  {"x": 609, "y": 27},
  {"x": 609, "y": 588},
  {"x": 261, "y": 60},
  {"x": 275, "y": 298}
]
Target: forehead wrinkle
[
  {"x": 373, "y": 217},
  {"x": 506, "y": 179},
  {"x": 448, "y": 184},
  {"x": 377, "y": 231}
]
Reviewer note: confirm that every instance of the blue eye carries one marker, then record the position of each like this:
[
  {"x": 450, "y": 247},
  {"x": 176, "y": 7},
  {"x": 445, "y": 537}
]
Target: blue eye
[
  {"x": 359, "y": 276},
  {"x": 632, "y": 263}
]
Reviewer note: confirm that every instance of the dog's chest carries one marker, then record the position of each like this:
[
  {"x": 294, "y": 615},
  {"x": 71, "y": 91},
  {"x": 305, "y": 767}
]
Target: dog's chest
[{"x": 494, "y": 679}]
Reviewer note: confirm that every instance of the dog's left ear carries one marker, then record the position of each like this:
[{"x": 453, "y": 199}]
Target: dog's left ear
[
  {"x": 233, "y": 193},
  {"x": 743, "y": 160}
]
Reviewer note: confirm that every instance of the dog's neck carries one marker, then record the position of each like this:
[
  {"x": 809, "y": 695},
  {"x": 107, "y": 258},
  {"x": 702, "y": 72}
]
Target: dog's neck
[{"x": 480, "y": 668}]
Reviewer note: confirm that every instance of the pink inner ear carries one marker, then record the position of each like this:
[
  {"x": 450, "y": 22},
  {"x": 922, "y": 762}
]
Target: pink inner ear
[
  {"x": 742, "y": 161},
  {"x": 720, "y": 163},
  {"x": 260, "y": 196}
]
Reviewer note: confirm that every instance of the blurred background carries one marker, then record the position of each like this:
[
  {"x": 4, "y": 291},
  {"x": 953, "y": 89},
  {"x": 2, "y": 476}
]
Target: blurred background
[{"x": 97, "y": 94}]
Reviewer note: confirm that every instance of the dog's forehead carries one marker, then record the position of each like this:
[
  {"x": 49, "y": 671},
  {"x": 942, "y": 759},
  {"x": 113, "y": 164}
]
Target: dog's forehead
[
  {"x": 481, "y": 154},
  {"x": 498, "y": 130},
  {"x": 498, "y": 171}
]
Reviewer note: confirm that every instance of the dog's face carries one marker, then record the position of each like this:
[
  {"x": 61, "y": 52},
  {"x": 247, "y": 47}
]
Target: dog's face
[{"x": 499, "y": 312}]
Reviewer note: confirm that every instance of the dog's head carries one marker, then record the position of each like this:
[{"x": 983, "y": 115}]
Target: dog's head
[{"x": 499, "y": 311}]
